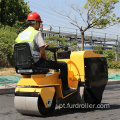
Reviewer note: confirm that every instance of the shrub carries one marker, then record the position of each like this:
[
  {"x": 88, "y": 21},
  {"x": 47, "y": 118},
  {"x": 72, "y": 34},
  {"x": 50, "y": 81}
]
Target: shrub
[
  {"x": 98, "y": 49},
  {"x": 114, "y": 64},
  {"x": 7, "y": 39},
  {"x": 109, "y": 54}
]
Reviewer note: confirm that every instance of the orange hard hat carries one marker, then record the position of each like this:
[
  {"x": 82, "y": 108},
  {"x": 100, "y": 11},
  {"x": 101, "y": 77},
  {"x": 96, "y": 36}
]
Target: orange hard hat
[{"x": 34, "y": 16}]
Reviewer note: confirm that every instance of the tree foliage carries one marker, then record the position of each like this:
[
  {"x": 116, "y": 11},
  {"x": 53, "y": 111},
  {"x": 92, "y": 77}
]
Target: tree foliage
[
  {"x": 56, "y": 40},
  {"x": 12, "y": 11},
  {"x": 98, "y": 49},
  {"x": 99, "y": 14},
  {"x": 7, "y": 39},
  {"x": 13, "y": 14},
  {"x": 114, "y": 64},
  {"x": 20, "y": 26},
  {"x": 110, "y": 54}
]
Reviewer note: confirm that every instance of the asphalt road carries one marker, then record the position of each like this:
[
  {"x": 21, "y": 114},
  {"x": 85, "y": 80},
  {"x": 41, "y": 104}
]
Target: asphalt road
[{"x": 111, "y": 98}]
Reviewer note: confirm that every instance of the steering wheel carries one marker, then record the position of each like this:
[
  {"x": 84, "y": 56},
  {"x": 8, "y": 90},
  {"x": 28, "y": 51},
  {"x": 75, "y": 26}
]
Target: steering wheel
[{"x": 55, "y": 49}]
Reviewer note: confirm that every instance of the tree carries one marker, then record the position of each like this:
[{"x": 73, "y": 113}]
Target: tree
[
  {"x": 20, "y": 26},
  {"x": 12, "y": 11},
  {"x": 99, "y": 14}
]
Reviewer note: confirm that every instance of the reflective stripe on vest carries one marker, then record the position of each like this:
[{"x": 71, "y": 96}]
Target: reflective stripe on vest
[{"x": 27, "y": 36}]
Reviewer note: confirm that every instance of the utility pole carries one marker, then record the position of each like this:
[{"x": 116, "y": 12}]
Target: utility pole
[
  {"x": 117, "y": 48},
  {"x": 91, "y": 38},
  {"x": 76, "y": 34}
]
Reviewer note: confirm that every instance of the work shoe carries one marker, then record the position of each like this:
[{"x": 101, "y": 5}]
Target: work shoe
[{"x": 68, "y": 91}]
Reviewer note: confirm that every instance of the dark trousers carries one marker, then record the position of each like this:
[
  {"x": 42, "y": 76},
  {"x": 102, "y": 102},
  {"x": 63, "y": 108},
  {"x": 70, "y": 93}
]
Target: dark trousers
[{"x": 56, "y": 65}]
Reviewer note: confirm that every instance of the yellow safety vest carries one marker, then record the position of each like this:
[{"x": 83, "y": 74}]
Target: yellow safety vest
[{"x": 27, "y": 36}]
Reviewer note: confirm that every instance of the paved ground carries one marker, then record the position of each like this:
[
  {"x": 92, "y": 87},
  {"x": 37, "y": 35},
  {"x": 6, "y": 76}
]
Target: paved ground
[{"x": 111, "y": 97}]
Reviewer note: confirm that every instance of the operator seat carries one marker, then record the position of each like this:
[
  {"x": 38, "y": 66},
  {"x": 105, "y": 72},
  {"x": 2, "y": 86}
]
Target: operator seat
[{"x": 24, "y": 63}]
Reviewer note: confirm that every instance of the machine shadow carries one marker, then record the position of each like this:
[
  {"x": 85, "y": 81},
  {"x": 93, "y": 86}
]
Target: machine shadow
[{"x": 65, "y": 111}]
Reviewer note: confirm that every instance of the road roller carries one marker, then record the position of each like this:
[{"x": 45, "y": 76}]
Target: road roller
[{"x": 40, "y": 89}]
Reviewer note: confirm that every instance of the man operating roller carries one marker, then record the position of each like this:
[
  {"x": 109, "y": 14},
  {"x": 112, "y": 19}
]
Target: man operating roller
[{"x": 32, "y": 35}]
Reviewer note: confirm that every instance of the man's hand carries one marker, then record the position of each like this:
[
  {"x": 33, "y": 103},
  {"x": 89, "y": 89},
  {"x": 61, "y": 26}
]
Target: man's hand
[{"x": 46, "y": 45}]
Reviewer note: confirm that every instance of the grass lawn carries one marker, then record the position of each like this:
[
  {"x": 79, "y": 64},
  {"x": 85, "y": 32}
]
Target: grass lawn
[
  {"x": 8, "y": 72},
  {"x": 113, "y": 70}
]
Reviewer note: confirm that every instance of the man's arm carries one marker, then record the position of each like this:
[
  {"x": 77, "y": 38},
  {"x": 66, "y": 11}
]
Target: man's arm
[{"x": 43, "y": 53}]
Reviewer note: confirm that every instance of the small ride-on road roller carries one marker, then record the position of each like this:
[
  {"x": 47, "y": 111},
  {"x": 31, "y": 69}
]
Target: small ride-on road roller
[{"x": 37, "y": 90}]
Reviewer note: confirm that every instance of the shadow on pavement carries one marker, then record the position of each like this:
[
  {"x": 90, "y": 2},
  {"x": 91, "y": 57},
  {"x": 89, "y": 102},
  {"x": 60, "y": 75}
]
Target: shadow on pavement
[{"x": 65, "y": 111}]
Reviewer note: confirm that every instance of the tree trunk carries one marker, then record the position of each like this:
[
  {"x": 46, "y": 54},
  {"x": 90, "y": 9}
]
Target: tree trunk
[{"x": 82, "y": 40}]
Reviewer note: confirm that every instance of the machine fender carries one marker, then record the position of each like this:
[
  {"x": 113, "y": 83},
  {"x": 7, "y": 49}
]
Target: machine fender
[{"x": 47, "y": 94}]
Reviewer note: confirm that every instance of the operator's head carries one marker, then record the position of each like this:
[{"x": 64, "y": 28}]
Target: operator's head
[{"x": 34, "y": 20}]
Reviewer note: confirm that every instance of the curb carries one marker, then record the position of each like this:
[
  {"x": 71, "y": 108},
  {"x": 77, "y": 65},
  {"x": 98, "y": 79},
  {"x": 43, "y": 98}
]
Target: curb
[
  {"x": 111, "y": 82},
  {"x": 12, "y": 90},
  {"x": 7, "y": 91}
]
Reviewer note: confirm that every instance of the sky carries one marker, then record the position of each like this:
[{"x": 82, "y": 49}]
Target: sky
[{"x": 58, "y": 22}]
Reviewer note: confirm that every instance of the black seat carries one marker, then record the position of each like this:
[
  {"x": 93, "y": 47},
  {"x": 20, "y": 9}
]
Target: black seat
[{"x": 24, "y": 63}]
